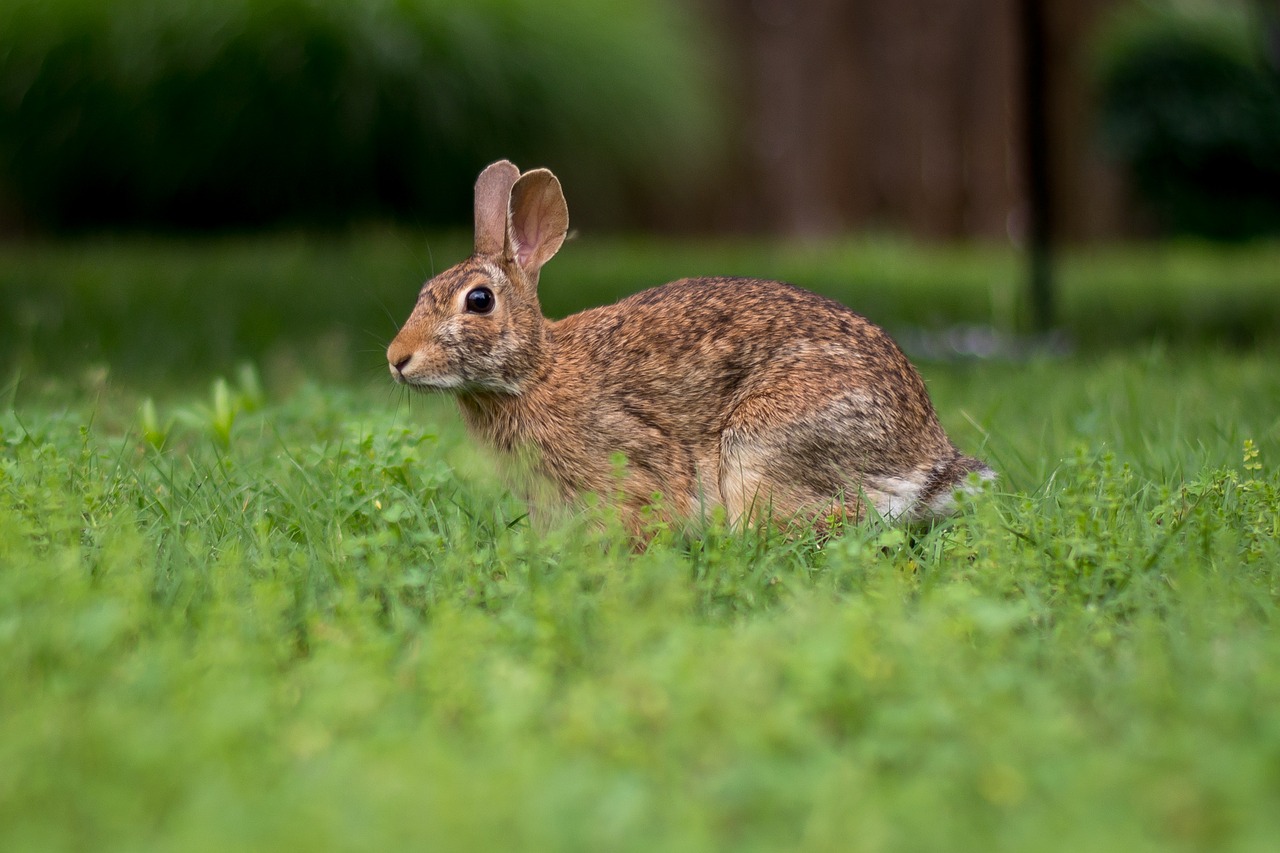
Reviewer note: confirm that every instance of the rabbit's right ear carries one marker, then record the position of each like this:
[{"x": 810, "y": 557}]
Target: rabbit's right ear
[
  {"x": 539, "y": 220},
  {"x": 493, "y": 201}
]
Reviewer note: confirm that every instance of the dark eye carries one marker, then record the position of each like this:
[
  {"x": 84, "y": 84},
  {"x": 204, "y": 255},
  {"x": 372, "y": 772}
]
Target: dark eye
[{"x": 480, "y": 300}]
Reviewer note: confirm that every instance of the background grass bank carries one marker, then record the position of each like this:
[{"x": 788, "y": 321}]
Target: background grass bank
[{"x": 328, "y": 306}]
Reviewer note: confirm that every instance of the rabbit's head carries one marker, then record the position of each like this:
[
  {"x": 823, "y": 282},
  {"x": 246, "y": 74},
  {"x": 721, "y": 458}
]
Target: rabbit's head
[{"x": 478, "y": 327}]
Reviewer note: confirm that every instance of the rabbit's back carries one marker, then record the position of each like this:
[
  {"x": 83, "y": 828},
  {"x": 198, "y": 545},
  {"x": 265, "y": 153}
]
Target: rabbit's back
[{"x": 698, "y": 346}]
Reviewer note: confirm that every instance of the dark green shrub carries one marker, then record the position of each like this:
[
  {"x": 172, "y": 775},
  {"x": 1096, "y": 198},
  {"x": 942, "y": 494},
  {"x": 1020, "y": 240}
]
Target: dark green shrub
[
  {"x": 1190, "y": 104},
  {"x": 204, "y": 113}
]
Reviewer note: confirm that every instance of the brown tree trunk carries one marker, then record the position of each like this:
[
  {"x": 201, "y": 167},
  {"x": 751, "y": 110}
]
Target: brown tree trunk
[{"x": 906, "y": 115}]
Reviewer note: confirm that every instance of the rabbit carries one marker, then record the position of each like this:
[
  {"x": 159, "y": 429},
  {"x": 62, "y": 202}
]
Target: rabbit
[{"x": 757, "y": 397}]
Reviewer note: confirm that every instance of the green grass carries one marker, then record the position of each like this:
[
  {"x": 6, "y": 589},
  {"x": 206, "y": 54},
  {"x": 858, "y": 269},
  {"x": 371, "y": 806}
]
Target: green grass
[
  {"x": 327, "y": 306},
  {"x": 293, "y": 609}
]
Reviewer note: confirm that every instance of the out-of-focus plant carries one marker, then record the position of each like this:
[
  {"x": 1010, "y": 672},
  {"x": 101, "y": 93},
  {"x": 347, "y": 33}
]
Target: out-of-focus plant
[
  {"x": 1190, "y": 102},
  {"x": 203, "y": 113}
]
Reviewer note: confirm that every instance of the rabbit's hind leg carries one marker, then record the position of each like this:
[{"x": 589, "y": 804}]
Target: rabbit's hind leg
[
  {"x": 790, "y": 457},
  {"x": 756, "y": 490},
  {"x": 784, "y": 473}
]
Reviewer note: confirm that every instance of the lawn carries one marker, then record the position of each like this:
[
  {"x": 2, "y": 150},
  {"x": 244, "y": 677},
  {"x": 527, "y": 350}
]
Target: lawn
[{"x": 254, "y": 598}]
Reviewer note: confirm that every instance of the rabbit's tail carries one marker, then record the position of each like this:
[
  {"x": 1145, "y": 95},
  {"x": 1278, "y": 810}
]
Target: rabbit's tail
[{"x": 937, "y": 497}]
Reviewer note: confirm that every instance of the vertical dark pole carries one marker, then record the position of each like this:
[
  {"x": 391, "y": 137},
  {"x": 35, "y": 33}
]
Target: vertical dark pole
[
  {"x": 1269, "y": 12},
  {"x": 1035, "y": 156}
]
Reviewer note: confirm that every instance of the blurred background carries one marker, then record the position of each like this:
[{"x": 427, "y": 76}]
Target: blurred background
[
  {"x": 928, "y": 118},
  {"x": 188, "y": 184}
]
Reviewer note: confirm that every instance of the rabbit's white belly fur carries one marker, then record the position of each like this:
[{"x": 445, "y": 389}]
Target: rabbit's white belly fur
[
  {"x": 899, "y": 498},
  {"x": 894, "y": 497}
]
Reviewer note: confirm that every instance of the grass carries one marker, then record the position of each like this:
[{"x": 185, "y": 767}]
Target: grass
[
  {"x": 286, "y": 610},
  {"x": 327, "y": 306}
]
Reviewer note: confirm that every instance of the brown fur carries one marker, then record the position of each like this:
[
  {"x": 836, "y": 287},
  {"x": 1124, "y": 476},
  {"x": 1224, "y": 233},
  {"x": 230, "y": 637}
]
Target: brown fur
[{"x": 755, "y": 396}]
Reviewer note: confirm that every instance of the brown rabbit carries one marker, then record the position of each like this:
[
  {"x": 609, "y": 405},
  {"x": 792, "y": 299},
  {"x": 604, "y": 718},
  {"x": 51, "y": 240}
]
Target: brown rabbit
[{"x": 755, "y": 396}]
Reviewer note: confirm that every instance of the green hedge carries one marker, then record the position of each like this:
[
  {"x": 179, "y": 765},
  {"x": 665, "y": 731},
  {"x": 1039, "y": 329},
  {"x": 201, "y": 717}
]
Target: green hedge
[
  {"x": 1191, "y": 104},
  {"x": 201, "y": 113}
]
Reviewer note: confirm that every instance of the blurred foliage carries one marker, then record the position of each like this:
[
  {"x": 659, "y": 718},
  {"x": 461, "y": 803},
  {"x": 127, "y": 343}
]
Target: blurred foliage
[
  {"x": 1191, "y": 104},
  {"x": 207, "y": 113},
  {"x": 164, "y": 310}
]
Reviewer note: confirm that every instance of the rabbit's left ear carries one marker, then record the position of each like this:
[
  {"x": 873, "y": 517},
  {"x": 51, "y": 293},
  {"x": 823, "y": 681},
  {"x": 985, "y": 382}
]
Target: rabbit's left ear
[
  {"x": 493, "y": 201},
  {"x": 539, "y": 220}
]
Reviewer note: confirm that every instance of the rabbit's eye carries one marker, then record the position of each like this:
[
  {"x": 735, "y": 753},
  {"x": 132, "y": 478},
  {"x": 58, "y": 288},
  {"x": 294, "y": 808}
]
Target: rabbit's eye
[{"x": 480, "y": 300}]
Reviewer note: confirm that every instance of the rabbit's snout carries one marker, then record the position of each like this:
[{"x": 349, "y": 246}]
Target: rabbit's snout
[
  {"x": 398, "y": 366},
  {"x": 399, "y": 357},
  {"x": 414, "y": 360}
]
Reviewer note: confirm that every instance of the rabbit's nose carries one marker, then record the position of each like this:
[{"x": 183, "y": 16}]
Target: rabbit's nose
[{"x": 399, "y": 354}]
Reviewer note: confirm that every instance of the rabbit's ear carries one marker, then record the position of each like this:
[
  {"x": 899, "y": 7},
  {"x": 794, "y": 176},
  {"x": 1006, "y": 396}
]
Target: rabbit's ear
[
  {"x": 539, "y": 220},
  {"x": 493, "y": 200}
]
